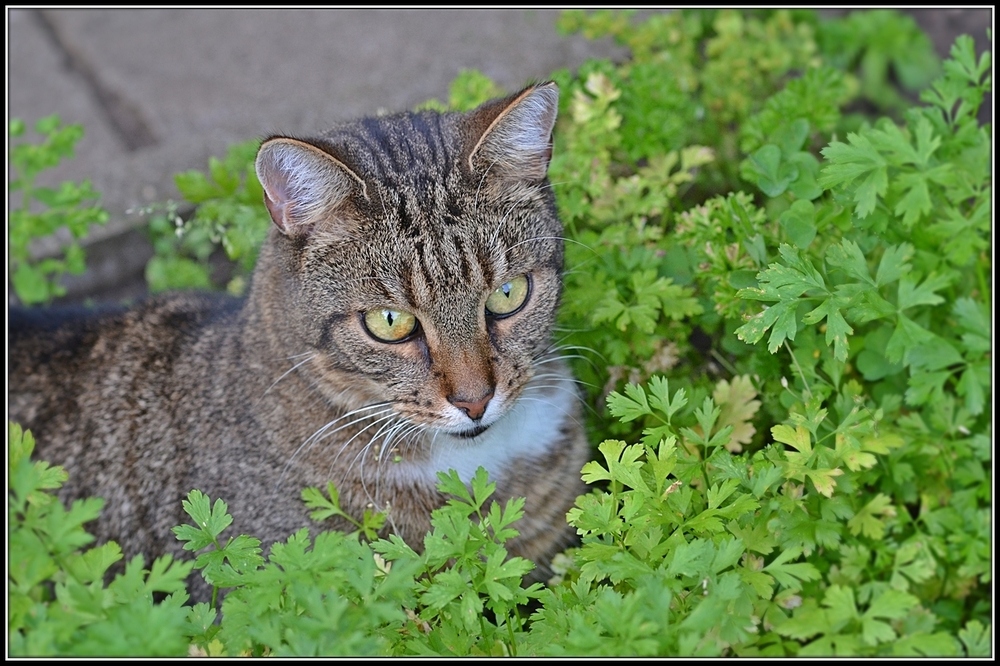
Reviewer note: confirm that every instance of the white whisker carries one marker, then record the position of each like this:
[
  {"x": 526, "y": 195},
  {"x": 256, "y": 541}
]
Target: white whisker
[
  {"x": 343, "y": 447},
  {"x": 311, "y": 356},
  {"x": 322, "y": 433},
  {"x": 559, "y": 238}
]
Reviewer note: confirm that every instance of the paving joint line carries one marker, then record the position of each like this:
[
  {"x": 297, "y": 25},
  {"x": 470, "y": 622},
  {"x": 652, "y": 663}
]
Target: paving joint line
[{"x": 124, "y": 116}]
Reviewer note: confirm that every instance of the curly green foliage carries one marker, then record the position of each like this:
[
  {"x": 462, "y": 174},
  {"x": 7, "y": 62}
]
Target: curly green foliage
[
  {"x": 694, "y": 75},
  {"x": 338, "y": 595},
  {"x": 695, "y": 551},
  {"x": 43, "y": 211},
  {"x": 709, "y": 101},
  {"x": 868, "y": 243},
  {"x": 57, "y": 599},
  {"x": 880, "y": 48},
  {"x": 883, "y": 264},
  {"x": 326, "y": 596},
  {"x": 468, "y": 595}
]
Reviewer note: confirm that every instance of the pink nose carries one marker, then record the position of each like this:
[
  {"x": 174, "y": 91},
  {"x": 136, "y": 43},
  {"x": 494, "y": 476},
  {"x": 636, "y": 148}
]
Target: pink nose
[{"x": 474, "y": 409}]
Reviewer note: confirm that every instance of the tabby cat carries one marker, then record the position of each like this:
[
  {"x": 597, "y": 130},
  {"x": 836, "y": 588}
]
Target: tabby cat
[{"x": 399, "y": 322}]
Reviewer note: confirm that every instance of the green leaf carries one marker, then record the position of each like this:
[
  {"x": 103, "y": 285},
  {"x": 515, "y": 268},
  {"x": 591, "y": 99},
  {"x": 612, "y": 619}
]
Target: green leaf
[
  {"x": 791, "y": 136},
  {"x": 631, "y": 406},
  {"x": 593, "y": 472},
  {"x": 973, "y": 386},
  {"x": 907, "y": 335},
  {"x": 848, "y": 257},
  {"x": 837, "y": 328},
  {"x": 916, "y": 202},
  {"x": 891, "y": 605},
  {"x": 482, "y": 487},
  {"x": 756, "y": 536},
  {"x": 807, "y": 621},
  {"x": 925, "y": 385},
  {"x": 690, "y": 559},
  {"x": 934, "y": 355},
  {"x": 972, "y": 317},
  {"x": 894, "y": 264},
  {"x": 92, "y": 564},
  {"x": 31, "y": 285},
  {"x": 167, "y": 273},
  {"x": 780, "y": 315},
  {"x": 243, "y": 553},
  {"x": 451, "y": 483},
  {"x": 195, "y": 186},
  {"x": 773, "y": 175},
  {"x": 624, "y": 465},
  {"x": 168, "y": 575},
  {"x": 911, "y": 295},
  {"x": 789, "y": 574},
  {"x": 824, "y": 480},
  {"x": 323, "y": 508},
  {"x": 209, "y": 521},
  {"x": 226, "y": 181},
  {"x": 799, "y": 224},
  {"x": 938, "y": 644},
  {"x": 718, "y": 494},
  {"x": 786, "y": 281},
  {"x": 797, "y": 438},
  {"x": 660, "y": 398},
  {"x": 875, "y": 631},
  {"x": 48, "y": 124},
  {"x": 870, "y": 519},
  {"x": 977, "y": 639},
  {"x": 24, "y": 477},
  {"x": 859, "y": 161},
  {"x": 839, "y": 601},
  {"x": 806, "y": 186},
  {"x": 891, "y": 139}
]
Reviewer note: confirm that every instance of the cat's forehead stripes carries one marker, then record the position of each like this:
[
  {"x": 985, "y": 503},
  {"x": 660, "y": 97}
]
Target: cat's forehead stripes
[
  {"x": 445, "y": 264},
  {"x": 412, "y": 162},
  {"x": 405, "y": 151}
]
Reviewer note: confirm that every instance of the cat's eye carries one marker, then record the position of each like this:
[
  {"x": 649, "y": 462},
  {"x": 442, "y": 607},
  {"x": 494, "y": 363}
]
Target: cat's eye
[
  {"x": 509, "y": 297},
  {"x": 390, "y": 325}
]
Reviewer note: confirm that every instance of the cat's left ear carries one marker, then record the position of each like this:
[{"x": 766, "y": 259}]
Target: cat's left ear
[
  {"x": 303, "y": 185},
  {"x": 517, "y": 140}
]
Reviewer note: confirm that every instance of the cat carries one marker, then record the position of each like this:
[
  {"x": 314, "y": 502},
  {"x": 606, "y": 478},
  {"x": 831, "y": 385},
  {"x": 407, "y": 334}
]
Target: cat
[{"x": 399, "y": 322}]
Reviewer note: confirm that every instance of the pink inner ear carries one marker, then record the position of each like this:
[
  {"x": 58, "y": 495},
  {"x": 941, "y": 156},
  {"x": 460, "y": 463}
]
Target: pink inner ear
[
  {"x": 276, "y": 196},
  {"x": 278, "y": 210}
]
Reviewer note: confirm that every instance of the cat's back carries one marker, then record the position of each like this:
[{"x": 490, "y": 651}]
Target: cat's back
[{"x": 67, "y": 364}]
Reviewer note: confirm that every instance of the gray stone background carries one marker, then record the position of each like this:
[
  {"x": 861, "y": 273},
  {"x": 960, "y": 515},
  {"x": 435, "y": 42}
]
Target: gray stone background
[{"x": 159, "y": 91}]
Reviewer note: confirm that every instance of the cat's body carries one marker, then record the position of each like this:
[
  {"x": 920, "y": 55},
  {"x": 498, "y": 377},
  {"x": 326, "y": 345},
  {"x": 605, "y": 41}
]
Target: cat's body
[{"x": 399, "y": 323}]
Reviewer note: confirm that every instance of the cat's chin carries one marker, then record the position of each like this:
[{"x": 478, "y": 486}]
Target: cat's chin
[{"x": 471, "y": 433}]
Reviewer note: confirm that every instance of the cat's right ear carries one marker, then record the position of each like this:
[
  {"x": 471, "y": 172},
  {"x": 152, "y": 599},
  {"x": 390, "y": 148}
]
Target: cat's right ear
[
  {"x": 515, "y": 134},
  {"x": 302, "y": 184}
]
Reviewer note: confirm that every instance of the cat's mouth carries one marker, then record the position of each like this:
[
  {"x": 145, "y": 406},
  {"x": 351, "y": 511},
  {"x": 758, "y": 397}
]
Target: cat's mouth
[{"x": 473, "y": 432}]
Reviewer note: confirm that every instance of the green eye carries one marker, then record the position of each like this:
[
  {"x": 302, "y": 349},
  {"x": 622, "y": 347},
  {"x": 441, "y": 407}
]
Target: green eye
[
  {"x": 509, "y": 297},
  {"x": 389, "y": 325}
]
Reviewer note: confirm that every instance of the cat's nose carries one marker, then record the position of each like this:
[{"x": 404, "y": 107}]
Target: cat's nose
[{"x": 474, "y": 408}]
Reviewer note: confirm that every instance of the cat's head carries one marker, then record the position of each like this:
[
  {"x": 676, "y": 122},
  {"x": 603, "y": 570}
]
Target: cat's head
[{"x": 417, "y": 256}]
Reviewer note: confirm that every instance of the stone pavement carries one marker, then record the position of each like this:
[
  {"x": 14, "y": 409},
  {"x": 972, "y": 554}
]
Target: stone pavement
[{"x": 159, "y": 91}]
